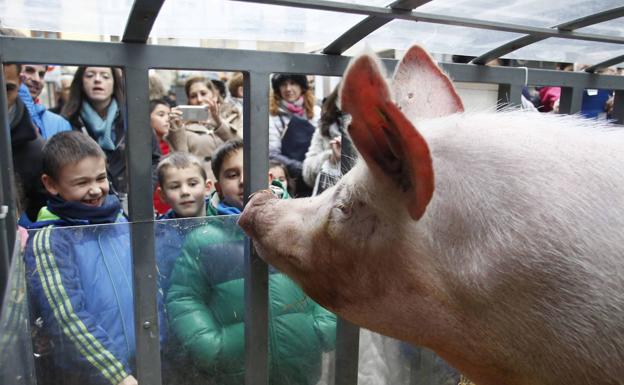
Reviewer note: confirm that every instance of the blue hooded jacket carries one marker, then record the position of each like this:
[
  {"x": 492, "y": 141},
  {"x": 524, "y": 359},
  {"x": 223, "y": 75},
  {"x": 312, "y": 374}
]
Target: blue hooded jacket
[
  {"x": 80, "y": 284},
  {"x": 47, "y": 122}
]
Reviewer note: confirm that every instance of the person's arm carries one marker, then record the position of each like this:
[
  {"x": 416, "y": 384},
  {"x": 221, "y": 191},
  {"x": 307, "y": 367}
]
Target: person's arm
[
  {"x": 324, "y": 325},
  {"x": 176, "y": 137},
  {"x": 210, "y": 344},
  {"x": 79, "y": 339},
  {"x": 316, "y": 155}
]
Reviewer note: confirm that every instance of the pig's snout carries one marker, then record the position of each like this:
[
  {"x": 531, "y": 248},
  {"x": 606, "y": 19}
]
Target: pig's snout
[{"x": 249, "y": 217}]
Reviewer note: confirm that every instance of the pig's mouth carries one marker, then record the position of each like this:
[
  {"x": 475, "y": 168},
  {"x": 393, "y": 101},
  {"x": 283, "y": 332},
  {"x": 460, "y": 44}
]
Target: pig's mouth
[{"x": 253, "y": 220}]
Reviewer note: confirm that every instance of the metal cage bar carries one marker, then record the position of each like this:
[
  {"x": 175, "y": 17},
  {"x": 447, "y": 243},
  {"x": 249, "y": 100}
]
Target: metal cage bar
[
  {"x": 530, "y": 39},
  {"x": 366, "y": 27},
  {"x": 334, "y": 6},
  {"x": 141, "y": 20}
]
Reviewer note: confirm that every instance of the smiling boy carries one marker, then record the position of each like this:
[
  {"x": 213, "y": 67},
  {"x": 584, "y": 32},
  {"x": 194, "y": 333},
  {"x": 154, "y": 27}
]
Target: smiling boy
[{"x": 80, "y": 277}]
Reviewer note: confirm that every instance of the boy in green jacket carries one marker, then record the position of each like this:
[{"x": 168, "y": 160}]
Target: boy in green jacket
[{"x": 205, "y": 300}]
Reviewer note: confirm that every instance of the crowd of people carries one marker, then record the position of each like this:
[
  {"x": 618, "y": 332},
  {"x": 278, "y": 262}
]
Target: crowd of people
[{"x": 71, "y": 171}]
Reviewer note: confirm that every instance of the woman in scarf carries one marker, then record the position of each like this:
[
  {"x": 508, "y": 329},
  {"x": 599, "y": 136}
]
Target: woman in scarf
[
  {"x": 292, "y": 122},
  {"x": 96, "y": 106}
]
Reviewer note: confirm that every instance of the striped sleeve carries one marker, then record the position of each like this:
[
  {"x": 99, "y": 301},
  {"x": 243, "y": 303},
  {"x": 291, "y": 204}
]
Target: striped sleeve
[{"x": 62, "y": 303}]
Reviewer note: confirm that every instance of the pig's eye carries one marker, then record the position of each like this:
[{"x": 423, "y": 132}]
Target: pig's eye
[{"x": 345, "y": 209}]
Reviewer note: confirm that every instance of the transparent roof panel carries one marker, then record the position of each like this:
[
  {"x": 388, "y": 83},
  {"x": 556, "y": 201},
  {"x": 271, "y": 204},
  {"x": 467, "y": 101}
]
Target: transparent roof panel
[
  {"x": 565, "y": 50},
  {"x": 304, "y": 29},
  {"x": 613, "y": 27},
  {"x": 436, "y": 38},
  {"x": 73, "y": 16},
  {"x": 536, "y": 13}
]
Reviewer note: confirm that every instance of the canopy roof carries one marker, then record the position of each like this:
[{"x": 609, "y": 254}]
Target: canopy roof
[{"x": 581, "y": 31}]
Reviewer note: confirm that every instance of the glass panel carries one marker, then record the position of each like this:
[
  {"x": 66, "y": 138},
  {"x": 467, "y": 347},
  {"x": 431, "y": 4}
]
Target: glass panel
[
  {"x": 569, "y": 51},
  {"x": 536, "y": 13},
  {"x": 201, "y": 270},
  {"x": 16, "y": 356},
  {"x": 442, "y": 39},
  {"x": 386, "y": 361},
  {"x": 81, "y": 304},
  {"x": 231, "y": 24},
  {"x": 74, "y": 16},
  {"x": 610, "y": 28}
]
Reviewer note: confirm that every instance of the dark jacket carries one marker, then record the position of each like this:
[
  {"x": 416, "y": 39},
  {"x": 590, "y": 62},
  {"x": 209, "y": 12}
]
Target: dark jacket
[{"x": 26, "y": 146}]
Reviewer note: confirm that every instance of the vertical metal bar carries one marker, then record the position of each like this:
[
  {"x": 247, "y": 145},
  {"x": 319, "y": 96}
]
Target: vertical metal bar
[
  {"x": 618, "y": 107},
  {"x": 256, "y": 167},
  {"x": 571, "y": 100},
  {"x": 5, "y": 263},
  {"x": 139, "y": 155},
  {"x": 347, "y": 352},
  {"x": 7, "y": 192},
  {"x": 509, "y": 95},
  {"x": 347, "y": 334}
]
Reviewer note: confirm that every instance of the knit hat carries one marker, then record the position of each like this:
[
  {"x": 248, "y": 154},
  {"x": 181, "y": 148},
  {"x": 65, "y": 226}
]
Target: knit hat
[{"x": 278, "y": 79}]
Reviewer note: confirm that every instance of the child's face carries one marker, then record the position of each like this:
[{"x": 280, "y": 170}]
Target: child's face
[
  {"x": 184, "y": 190},
  {"x": 84, "y": 181},
  {"x": 230, "y": 180},
  {"x": 277, "y": 172}
]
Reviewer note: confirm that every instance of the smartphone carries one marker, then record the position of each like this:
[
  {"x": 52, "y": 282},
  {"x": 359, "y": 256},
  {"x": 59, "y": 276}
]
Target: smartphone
[{"x": 194, "y": 113}]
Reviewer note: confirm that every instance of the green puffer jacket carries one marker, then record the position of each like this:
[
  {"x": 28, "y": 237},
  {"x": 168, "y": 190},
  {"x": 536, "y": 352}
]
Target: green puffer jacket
[{"x": 206, "y": 309}]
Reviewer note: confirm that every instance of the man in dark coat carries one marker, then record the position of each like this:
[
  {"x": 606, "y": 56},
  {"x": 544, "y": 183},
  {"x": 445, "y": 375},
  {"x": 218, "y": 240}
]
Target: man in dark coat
[{"x": 26, "y": 146}]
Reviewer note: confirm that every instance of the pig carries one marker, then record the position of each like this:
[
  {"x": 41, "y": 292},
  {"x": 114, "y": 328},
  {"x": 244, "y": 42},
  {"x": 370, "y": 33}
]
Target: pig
[{"x": 496, "y": 239}]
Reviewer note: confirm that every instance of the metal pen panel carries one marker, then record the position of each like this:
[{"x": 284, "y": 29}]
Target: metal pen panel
[
  {"x": 509, "y": 95},
  {"x": 618, "y": 107},
  {"x": 139, "y": 167},
  {"x": 255, "y": 169},
  {"x": 8, "y": 194},
  {"x": 571, "y": 100}
]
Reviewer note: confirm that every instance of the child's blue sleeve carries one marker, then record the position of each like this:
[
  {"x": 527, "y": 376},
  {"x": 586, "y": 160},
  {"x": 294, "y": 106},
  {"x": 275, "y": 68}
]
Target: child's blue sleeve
[{"x": 80, "y": 342}]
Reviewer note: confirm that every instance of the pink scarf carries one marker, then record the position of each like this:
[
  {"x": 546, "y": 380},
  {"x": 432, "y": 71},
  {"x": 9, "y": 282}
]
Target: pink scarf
[{"x": 295, "y": 108}]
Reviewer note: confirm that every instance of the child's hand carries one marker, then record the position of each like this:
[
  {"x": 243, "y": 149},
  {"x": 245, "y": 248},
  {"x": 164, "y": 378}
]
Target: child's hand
[
  {"x": 130, "y": 380},
  {"x": 336, "y": 146}
]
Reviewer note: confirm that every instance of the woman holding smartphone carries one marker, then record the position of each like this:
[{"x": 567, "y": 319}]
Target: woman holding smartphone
[{"x": 202, "y": 136}]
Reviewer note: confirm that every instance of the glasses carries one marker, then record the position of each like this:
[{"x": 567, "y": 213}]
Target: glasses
[{"x": 10, "y": 87}]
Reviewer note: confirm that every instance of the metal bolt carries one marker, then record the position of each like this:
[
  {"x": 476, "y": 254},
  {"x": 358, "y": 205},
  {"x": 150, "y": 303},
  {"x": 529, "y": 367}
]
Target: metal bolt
[{"x": 147, "y": 325}]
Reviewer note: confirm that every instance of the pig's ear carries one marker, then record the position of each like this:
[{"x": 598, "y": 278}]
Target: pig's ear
[
  {"x": 421, "y": 89},
  {"x": 387, "y": 141}
]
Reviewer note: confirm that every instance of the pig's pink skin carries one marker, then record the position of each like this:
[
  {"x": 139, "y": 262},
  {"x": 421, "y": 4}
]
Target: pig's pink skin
[{"x": 515, "y": 272}]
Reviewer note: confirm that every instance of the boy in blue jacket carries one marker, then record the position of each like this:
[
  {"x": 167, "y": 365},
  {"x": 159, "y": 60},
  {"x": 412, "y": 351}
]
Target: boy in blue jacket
[{"x": 80, "y": 277}]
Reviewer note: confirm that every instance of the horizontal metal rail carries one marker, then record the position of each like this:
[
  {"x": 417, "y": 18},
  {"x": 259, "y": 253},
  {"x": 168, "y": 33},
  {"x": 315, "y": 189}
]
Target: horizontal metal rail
[
  {"x": 366, "y": 27},
  {"x": 530, "y": 39},
  {"x": 334, "y": 6}
]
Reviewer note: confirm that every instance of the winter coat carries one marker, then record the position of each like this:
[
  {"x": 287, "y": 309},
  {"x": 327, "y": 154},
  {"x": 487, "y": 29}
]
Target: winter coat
[
  {"x": 46, "y": 121},
  {"x": 318, "y": 157},
  {"x": 278, "y": 126},
  {"x": 116, "y": 159},
  {"x": 26, "y": 146},
  {"x": 80, "y": 284},
  {"x": 200, "y": 140},
  {"x": 206, "y": 309}
]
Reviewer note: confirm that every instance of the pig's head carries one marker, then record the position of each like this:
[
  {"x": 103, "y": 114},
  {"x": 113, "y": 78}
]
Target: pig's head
[{"x": 343, "y": 246}]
